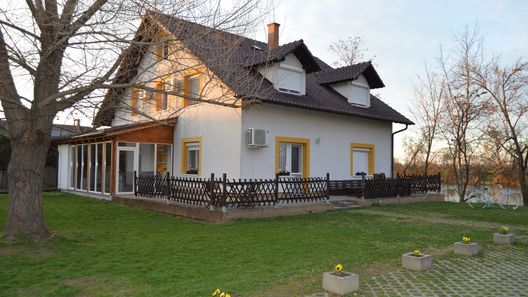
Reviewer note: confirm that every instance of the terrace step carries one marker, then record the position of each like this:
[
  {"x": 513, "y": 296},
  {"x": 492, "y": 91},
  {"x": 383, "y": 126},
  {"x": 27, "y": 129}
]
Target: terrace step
[{"x": 345, "y": 204}]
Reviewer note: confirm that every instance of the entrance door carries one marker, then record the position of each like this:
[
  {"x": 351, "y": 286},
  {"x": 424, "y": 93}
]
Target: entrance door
[
  {"x": 291, "y": 159},
  {"x": 127, "y": 163}
]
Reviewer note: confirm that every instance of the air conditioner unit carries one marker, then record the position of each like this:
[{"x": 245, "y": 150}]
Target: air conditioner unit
[{"x": 257, "y": 137}]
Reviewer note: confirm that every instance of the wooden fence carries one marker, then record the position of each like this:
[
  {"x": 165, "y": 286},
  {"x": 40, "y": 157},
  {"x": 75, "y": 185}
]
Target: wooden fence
[
  {"x": 224, "y": 192},
  {"x": 380, "y": 186}
]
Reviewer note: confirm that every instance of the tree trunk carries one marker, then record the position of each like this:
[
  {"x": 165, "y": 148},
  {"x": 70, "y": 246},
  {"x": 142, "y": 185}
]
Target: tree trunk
[
  {"x": 25, "y": 170},
  {"x": 524, "y": 187}
]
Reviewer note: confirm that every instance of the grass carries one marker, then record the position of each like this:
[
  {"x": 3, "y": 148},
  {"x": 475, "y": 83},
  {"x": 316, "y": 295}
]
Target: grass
[
  {"x": 104, "y": 249},
  {"x": 463, "y": 211}
]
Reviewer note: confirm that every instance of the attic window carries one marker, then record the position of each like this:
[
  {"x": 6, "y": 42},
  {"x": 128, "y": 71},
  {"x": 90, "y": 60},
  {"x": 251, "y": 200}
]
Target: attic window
[
  {"x": 359, "y": 94},
  {"x": 256, "y": 47},
  {"x": 290, "y": 80}
]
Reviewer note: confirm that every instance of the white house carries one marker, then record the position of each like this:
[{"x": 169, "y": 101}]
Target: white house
[{"x": 205, "y": 101}]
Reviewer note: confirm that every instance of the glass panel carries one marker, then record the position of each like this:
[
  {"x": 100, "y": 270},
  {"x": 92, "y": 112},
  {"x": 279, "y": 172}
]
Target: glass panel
[
  {"x": 108, "y": 164},
  {"x": 162, "y": 158},
  {"x": 92, "y": 167},
  {"x": 282, "y": 157},
  {"x": 127, "y": 144},
  {"x": 164, "y": 97},
  {"x": 126, "y": 171},
  {"x": 72, "y": 166},
  {"x": 296, "y": 153},
  {"x": 79, "y": 166},
  {"x": 193, "y": 160},
  {"x": 85, "y": 168},
  {"x": 100, "y": 168},
  {"x": 194, "y": 86},
  {"x": 146, "y": 159}
]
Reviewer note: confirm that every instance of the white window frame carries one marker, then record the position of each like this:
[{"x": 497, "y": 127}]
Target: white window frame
[
  {"x": 302, "y": 78},
  {"x": 193, "y": 147},
  {"x": 289, "y": 149}
]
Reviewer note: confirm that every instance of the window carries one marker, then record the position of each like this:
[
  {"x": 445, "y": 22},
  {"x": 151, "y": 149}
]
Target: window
[
  {"x": 107, "y": 166},
  {"x": 194, "y": 88},
  {"x": 191, "y": 155},
  {"x": 162, "y": 158},
  {"x": 161, "y": 98},
  {"x": 163, "y": 50},
  {"x": 177, "y": 85},
  {"x": 359, "y": 94},
  {"x": 292, "y": 156},
  {"x": 290, "y": 80},
  {"x": 290, "y": 159},
  {"x": 362, "y": 159}
]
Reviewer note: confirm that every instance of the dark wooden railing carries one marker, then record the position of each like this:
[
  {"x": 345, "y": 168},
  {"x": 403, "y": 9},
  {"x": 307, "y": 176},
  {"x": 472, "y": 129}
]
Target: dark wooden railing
[
  {"x": 224, "y": 192},
  {"x": 380, "y": 186}
]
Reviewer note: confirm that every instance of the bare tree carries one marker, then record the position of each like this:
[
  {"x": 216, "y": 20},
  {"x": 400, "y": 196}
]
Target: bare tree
[
  {"x": 464, "y": 107},
  {"x": 427, "y": 110},
  {"x": 349, "y": 51},
  {"x": 63, "y": 55},
  {"x": 508, "y": 127}
]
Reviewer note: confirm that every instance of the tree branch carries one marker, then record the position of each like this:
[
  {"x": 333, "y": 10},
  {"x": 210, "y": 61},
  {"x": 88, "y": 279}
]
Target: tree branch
[
  {"x": 86, "y": 15},
  {"x": 21, "y": 30}
]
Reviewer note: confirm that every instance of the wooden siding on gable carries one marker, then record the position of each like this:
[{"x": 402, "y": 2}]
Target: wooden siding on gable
[{"x": 156, "y": 134}]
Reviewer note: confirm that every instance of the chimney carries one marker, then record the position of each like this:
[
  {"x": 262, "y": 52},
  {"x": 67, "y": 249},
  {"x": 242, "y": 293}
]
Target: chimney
[
  {"x": 273, "y": 35},
  {"x": 77, "y": 124}
]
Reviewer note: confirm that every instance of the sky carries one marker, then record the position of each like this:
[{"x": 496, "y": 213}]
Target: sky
[{"x": 402, "y": 36}]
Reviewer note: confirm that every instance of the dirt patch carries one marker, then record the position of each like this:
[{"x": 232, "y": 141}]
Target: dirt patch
[
  {"x": 97, "y": 286},
  {"x": 26, "y": 251}
]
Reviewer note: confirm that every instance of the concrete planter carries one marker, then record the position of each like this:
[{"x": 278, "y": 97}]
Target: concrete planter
[
  {"x": 503, "y": 238},
  {"x": 345, "y": 283},
  {"x": 417, "y": 263},
  {"x": 466, "y": 249}
]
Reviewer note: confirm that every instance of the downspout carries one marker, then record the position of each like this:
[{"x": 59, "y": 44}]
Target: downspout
[{"x": 392, "y": 147}]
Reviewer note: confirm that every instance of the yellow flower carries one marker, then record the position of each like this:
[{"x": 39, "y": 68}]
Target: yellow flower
[
  {"x": 505, "y": 230},
  {"x": 466, "y": 239},
  {"x": 338, "y": 268},
  {"x": 417, "y": 252},
  {"x": 222, "y": 294},
  {"x": 227, "y": 295},
  {"x": 216, "y": 292}
]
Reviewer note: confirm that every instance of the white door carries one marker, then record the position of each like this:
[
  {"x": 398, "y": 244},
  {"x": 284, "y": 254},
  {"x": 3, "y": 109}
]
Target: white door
[{"x": 291, "y": 159}]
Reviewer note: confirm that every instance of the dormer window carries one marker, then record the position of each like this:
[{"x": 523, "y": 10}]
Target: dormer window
[
  {"x": 356, "y": 91},
  {"x": 359, "y": 94},
  {"x": 290, "y": 79}
]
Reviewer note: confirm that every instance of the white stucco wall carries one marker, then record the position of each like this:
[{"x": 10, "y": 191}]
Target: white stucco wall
[
  {"x": 219, "y": 127},
  {"x": 331, "y": 153},
  {"x": 64, "y": 166}
]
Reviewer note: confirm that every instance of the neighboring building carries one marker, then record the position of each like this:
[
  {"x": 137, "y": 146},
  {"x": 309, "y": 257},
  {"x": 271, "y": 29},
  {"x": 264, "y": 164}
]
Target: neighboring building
[{"x": 277, "y": 109}]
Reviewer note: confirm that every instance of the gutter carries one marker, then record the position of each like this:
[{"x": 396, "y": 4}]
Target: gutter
[{"x": 392, "y": 147}]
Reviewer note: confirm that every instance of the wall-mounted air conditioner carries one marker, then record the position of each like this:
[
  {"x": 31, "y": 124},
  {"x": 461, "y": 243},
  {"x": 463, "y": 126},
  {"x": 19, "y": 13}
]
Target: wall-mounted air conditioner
[{"x": 257, "y": 137}]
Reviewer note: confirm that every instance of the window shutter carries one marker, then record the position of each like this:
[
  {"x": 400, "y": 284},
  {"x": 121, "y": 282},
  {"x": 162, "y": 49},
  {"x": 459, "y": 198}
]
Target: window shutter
[
  {"x": 159, "y": 87},
  {"x": 134, "y": 101}
]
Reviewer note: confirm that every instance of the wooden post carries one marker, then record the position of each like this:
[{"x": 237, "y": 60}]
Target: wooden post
[
  {"x": 135, "y": 183},
  {"x": 224, "y": 189},
  {"x": 363, "y": 185},
  {"x": 168, "y": 186},
  {"x": 327, "y": 186},
  {"x": 276, "y": 188},
  {"x": 211, "y": 190}
]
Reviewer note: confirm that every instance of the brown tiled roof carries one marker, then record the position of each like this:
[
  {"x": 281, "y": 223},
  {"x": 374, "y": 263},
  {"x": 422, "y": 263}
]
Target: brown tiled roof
[
  {"x": 230, "y": 56},
  {"x": 352, "y": 72}
]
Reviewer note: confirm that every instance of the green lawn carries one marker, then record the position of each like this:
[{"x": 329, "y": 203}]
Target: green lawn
[
  {"x": 104, "y": 249},
  {"x": 463, "y": 211}
]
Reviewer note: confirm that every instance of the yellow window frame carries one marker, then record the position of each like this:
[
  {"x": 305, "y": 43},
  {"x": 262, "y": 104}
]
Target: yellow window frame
[
  {"x": 184, "y": 153},
  {"x": 371, "y": 157},
  {"x": 305, "y": 142}
]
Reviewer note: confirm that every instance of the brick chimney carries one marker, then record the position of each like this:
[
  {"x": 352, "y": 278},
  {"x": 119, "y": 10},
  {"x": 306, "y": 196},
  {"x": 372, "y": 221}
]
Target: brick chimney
[{"x": 273, "y": 35}]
